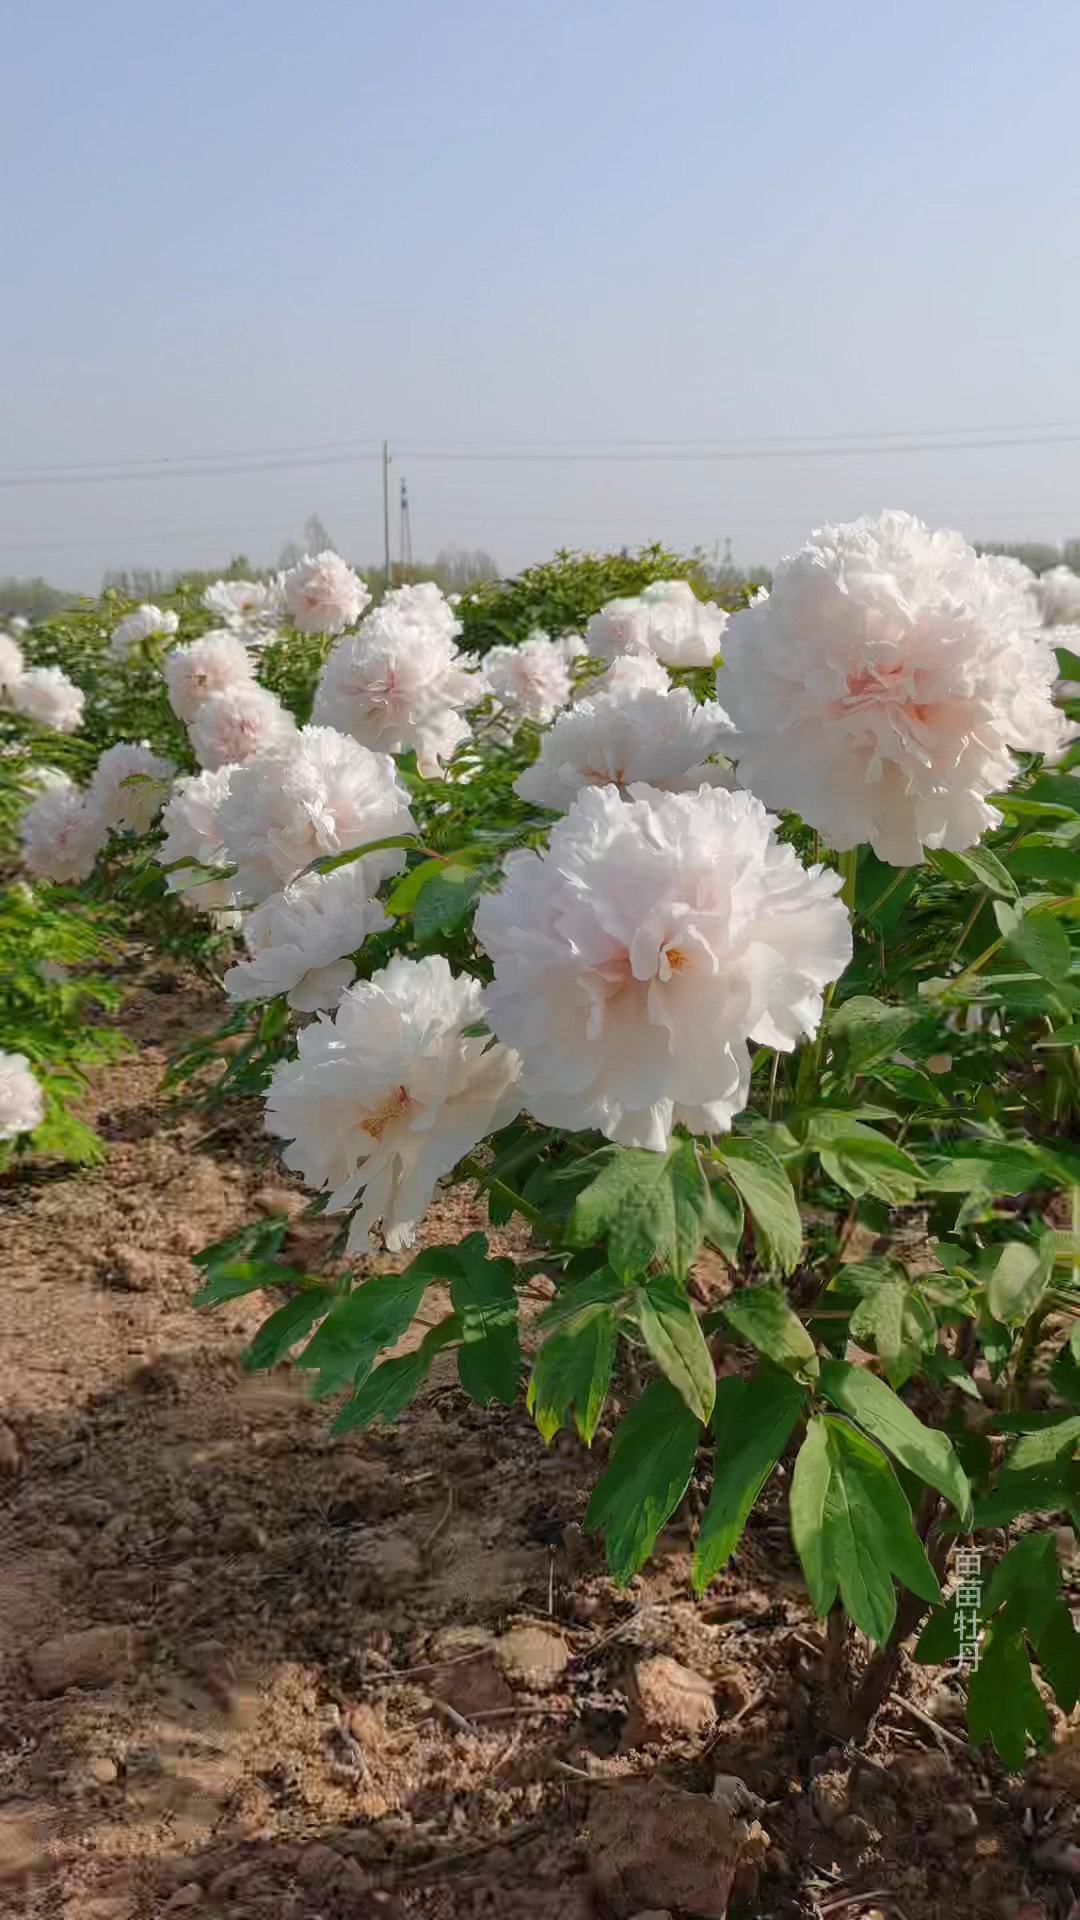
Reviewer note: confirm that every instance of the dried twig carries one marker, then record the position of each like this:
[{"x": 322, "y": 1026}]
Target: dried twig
[
  {"x": 455, "y": 1718},
  {"x": 932, "y": 1726},
  {"x": 440, "y": 1522}
]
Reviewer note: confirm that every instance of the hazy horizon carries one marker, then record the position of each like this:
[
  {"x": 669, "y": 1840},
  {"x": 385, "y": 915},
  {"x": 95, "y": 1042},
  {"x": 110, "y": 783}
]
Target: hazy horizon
[{"x": 599, "y": 276}]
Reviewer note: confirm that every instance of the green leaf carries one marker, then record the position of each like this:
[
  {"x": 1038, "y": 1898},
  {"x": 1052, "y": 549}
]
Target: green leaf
[
  {"x": 1037, "y": 1449},
  {"x": 723, "y": 1219},
  {"x": 651, "y": 1460},
  {"x": 670, "y": 1329},
  {"x": 231, "y": 1279},
  {"x": 937, "y": 1643},
  {"x": 278, "y": 1335},
  {"x": 809, "y": 1490},
  {"x": 444, "y": 901},
  {"x": 402, "y": 898},
  {"x": 866, "y": 1163},
  {"x": 573, "y": 1369},
  {"x": 868, "y": 1533},
  {"x": 1059, "y": 865},
  {"x": 985, "y": 1166},
  {"x": 391, "y": 1385},
  {"x": 1028, "y": 1571},
  {"x": 373, "y": 1316},
  {"x": 879, "y": 1323},
  {"x": 1058, "y": 1654},
  {"x": 752, "y": 1422},
  {"x": 920, "y": 1449},
  {"x": 649, "y": 1207},
  {"x": 1037, "y": 939},
  {"x": 762, "y": 1316},
  {"x": 329, "y": 862},
  {"x": 765, "y": 1188},
  {"x": 979, "y": 866},
  {"x": 1017, "y": 1283},
  {"x": 869, "y": 1030},
  {"x": 1004, "y": 1705},
  {"x": 483, "y": 1296}
]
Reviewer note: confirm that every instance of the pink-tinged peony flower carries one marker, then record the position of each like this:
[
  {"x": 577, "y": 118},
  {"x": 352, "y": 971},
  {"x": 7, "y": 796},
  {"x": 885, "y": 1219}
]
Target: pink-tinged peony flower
[
  {"x": 617, "y": 739},
  {"x": 321, "y": 793},
  {"x": 238, "y": 724},
  {"x": 530, "y": 681},
  {"x": 386, "y": 1097},
  {"x": 215, "y": 664},
  {"x": 639, "y": 954},
  {"x": 192, "y": 832},
  {"x": 47, "y": 696},
  {"x": 299, "y": 941},
  {"x": 631, "y": 673},
  {"x": 323, "y": 595},
  {"x": 12, "y": 665},
  {"x": 667, "y": 619},
  {"x": 880, "y": 688},
  {"x": 1058, "y": 594},
  {"x": 399, "y": 683},
  {"x": 61, "y": 833},
  {"x": 144, "y": 623},
  {"x": 132, "y": 809},
  {"x": 251, "y": 608},
  {"x": 22, "y": 1103}
]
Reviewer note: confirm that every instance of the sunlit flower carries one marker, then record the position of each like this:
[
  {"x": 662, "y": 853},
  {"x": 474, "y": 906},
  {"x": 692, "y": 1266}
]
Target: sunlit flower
[
  {"x": 19, "y": 623},
  {"x": 213, "y": 664},
  {"x": 1058, "y": 592},
  {"x": 530, "y": 681},
  {"x": 252, "y": 608},
  {"x": 299, "y": 941},
  {"x": 323, "y": 595},
  {"x": 22, "y": 1103},
  {"x": 617, "y": 739},
  {"x": 636, "y": 957},
  {"x": 192, "y": 832},
  {"x": 11, "y": 665},
  {"x": 631, "y": 673},
  {"x": 47, "y": 696},
  {"x": 321, "y": 793},
  {"x": 132, "y": 808},
  {"x": 386, "y": 1097},
  {"x": 879, "y": 688},
  {"x": 572, "y": 647},
  {"x": 399, "y": 682},
  {"x": 62, "y": 833},
  {"x": 144, "y": 623},
  {"x": 666, "y": 619},
  {"x": 236, "y": 725}
]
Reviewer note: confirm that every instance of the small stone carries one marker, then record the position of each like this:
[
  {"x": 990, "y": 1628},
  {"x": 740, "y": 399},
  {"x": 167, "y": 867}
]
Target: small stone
[
  {"x": 184, "y": 1898},
  {"x": 239, "y": 1533},
  {"x": 961, "y": 1818},
  {"x": 532, "y": 1657},
  {"x": 90, "y": 1658},
  {"x": 208, "y": 1662},
  {"x": 86, "y": 1510},
  {"x": 103, "y": 1770},
  {"x": 130, "y": 1269},
  {"x": 653, "y": 1843},
  {"x": 470, "y": 1686},
  {"x": 284, "y": 1200},
  {"x": 318, "y": 1866},
  {"x": 667, "y": 1699},
  {"x": 10, "y": 1453}
]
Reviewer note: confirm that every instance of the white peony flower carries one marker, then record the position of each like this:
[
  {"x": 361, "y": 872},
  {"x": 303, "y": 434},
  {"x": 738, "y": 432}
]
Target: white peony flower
[
  {"x": 192, "y": 832},
  {"x": 252, "y": 608},
  {"x": 666, "y": 619},
  {"x": 399, "y": 683},
  {"x": 62, "y": 833},
  {"x": 46, "y": 695},
  {"x": 132, "y": 809},
  {"x": 618, "y": 739},
  {"x": 387, "y": 1096},
  {"x": 631, "y": 673},
  {"x": 299, "y": 941},
  {"x": 236, "y": 725},
  {"x": 320, "y": 793},
  {"x": 144, "y": 623},
  {"x": 1058, "y": 594},
  {"x": 323, "y": 595},
  {"x": 880, "y": 687},
  {"x": 19, "y": 623},
  {"x": 530, "y": 681},
  {"x": 22, "y": 1103},
  {"x": 214, "y": 664},
  {"x": 12, "y": 665},
  {"x": 572, "y": 647},
  {"x": 639, "y": 954}
]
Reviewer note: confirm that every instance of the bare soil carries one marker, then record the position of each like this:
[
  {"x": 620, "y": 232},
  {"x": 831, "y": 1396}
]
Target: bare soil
[{"x": 322, "y": 1706}]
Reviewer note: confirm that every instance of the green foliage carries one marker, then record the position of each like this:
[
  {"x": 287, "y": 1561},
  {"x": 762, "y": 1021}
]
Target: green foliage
[{"x": 562, "y": 595}]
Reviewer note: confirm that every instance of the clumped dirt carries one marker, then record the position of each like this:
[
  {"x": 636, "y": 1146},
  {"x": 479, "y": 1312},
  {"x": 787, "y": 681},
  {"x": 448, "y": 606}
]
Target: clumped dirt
[{"x": 250, "y": 1671}]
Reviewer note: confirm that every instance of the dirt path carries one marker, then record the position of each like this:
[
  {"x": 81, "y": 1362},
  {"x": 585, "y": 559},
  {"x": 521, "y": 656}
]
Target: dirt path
[{"x": 207, "y": 1608}]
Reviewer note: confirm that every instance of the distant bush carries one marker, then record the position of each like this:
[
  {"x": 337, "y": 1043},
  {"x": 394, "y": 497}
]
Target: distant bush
[{"x": 563, "y": 593}]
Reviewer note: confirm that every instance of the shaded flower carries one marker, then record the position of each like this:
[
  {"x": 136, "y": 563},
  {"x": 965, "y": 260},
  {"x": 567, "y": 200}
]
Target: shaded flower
[
  {"x": 236, "y": 725},
  {"x": 299, "y": 941},
  {"x": 667, "y": 619},
  {"x": 617, "y": 739},
  {"x": 22, "y": 1103},
  {"x": 213, "y": 664},
  {"x": 46, "y": 695},
  {"x": 61, "y": 833},
  {"x": 323, "y": 595},
  {"x": 133, "y": 808},
  {"x": 192, "y": 832},
  {"x": 530, "y": 681},
  {"x": 11, "y": 665},
  {"x": 144, "y": 623},
  {"x": 399, "y": 683}
]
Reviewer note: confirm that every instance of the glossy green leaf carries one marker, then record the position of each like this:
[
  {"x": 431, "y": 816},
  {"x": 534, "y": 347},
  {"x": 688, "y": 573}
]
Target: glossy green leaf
[
  {"x": 923, "y": 1451},
  {"x": 763, "y": 1316},
  {"x": 752, "y": 1422},
  {"x": 766, "y": 1190},
  {"x": 651, "y": 1460},
  {"x": 672, "y": 1333}
]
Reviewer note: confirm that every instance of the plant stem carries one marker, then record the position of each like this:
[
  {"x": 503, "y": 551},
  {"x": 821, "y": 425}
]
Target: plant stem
[
  {"x": 969, "y": 923},
  {"x": 476, "y": 1172},
  {"x": 1025, "y": 1359},
  {"x": 977, "y": 965},
  {"x": 900, "y": 874}
]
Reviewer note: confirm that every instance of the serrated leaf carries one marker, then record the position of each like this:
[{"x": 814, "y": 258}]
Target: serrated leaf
[
  {"x": 1017, "y": 1283},
  {"x": 928, "y": 1454},
  {"x": 763, "y": 1183},
  {"x": 391, "y": 1385},
  {"x": 278, "y": 1335},
  {"x": 402, "y": 898},
  {"x": 869, "y": 1029},
  {"x": 373, "y": 1316},
  {"x": 651, "y": 1460},
  {"x": 443, "y": 901},
  {"x": 1037, "y": 939},
  {"x": 763, "y": 1316},
  {"x": 670, "y": 1330},
  {"x": 752, "y": 1422},
  {"x": 649, "y": 1207},
  {"x": 573, "y": 1370}
]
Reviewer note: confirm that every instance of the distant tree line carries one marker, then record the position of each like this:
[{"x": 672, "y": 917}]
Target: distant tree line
[{"x": 1036, "y": 554}]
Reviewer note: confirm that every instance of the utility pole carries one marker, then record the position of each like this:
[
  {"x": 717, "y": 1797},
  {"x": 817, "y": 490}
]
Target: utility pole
[
  {"x": 386, "y": 512},
  {"x": 405, "y": 540}
]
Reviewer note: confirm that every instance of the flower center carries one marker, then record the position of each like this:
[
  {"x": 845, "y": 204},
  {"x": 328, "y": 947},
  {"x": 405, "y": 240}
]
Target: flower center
[{"x": 396, "y": 1104}]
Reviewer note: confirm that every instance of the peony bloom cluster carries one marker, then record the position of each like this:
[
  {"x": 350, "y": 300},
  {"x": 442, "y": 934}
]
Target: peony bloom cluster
[
  {"x": 1058, "y": 594},
  {"x": 144, "y": 623},
  {"x": 879, "y": 689},
  {"x": 667, "y": 619},
  {"x": 192, "y": 833},
  {"x": 251, "y": 608},
  {"x": 12, "y": 665},
  {"x": 631, "y": 673},
  {"x": 619, "y": 739},
  {"x": 299, "y": 941},
  {"x": 636, "y": 957},
  {"x": 22, "y": 1103},
  {"x": 134, "y": 808},
  {"x": 323, "y": 595},
  {"x": 319, "y": 793},
  {"x": 399, "y": 683},
  {"x": 47, "y": 696},
  {"x": 239, "y": 723},
  {"x": 386, "y": 1097},
  {"x": 530, "y": 681},
  {"x": 62, "y": 833},
  {"x": 216, "y": 663}
]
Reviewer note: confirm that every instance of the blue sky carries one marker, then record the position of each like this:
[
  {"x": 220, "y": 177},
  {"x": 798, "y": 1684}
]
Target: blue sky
[{"x": 474, "y": 228}]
